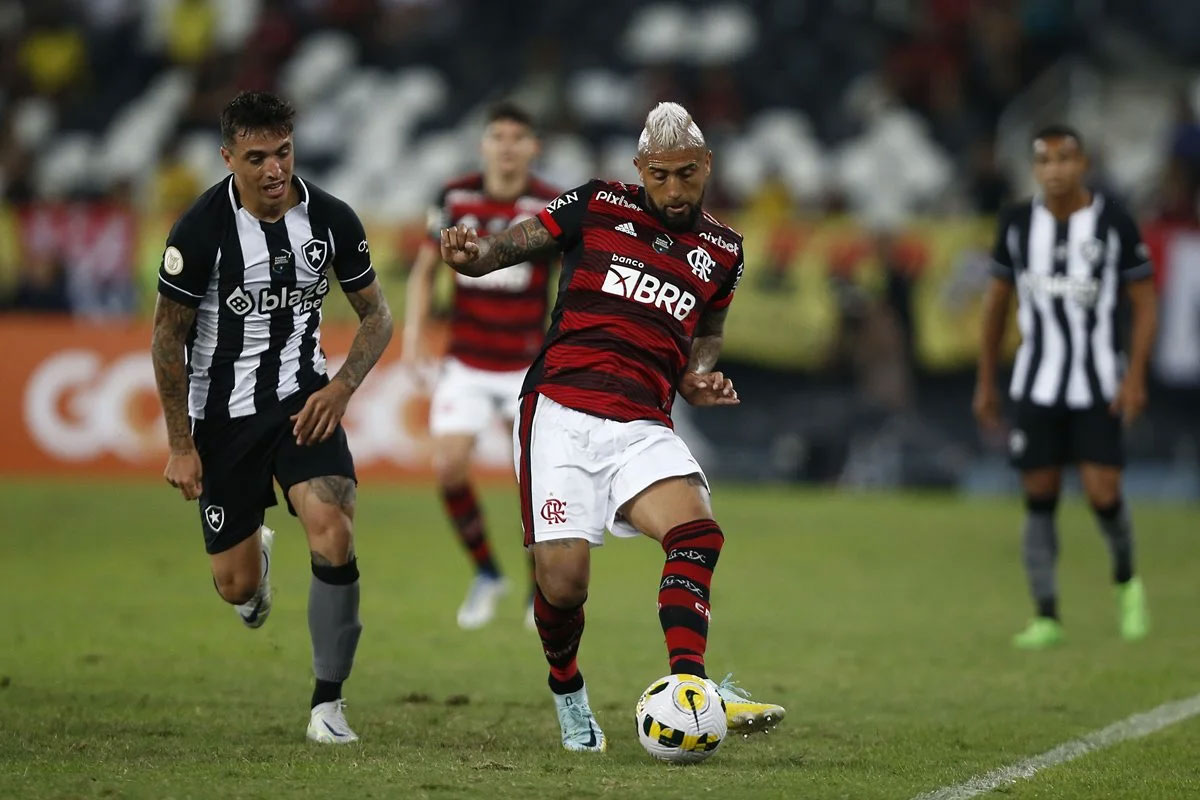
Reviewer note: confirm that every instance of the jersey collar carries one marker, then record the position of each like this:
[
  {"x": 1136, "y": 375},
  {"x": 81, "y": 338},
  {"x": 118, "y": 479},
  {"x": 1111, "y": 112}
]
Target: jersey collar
[{"x": 235, "y": 198}]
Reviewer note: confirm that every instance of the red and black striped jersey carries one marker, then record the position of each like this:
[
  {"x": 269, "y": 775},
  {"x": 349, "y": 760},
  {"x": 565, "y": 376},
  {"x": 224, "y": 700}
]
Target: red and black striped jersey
[
  {"x": 498, "y": 321},
  {"x": 630, "y": 296}
]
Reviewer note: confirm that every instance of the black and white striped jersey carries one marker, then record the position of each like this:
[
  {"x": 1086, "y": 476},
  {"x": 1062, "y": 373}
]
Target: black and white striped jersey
[
  {"x": 258, "y": 289},
  {"x": 1068, "y": 276}
]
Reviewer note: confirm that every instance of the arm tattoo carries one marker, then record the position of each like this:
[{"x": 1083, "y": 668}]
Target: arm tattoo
[
  {"x": 522, "y": 242},
  {"x": 706, "y": 345},
  {"x": 374, "y": 333},
  {"x": 172, "y": 322}
]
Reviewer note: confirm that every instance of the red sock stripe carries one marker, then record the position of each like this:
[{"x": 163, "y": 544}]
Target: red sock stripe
[
  {"x": 697, "y": 573},
  {"x": 678, "y": 597},
  {"x": 682, "y": 532},
  {"x": 683, "y": 639},
  {"x": 525, "y": 473}
]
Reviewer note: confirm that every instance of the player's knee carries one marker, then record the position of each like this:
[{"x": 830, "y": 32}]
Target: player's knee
[
  {"x": 451, "y": 472},
  {"x": 564, "y": 588},
  {"x": 234, "y": 587},
  {"x": 333, "y": 538},
  {"x": 1103, "y": 499},
  {"x": 1041, "y": 503}
]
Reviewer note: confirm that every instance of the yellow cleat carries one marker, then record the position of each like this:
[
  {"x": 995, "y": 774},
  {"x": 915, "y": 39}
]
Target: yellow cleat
[{"x": 743, "y": 715}]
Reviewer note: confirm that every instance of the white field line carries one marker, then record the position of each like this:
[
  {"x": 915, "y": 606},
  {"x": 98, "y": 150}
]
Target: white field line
[{"x": 1132, "y": 727}]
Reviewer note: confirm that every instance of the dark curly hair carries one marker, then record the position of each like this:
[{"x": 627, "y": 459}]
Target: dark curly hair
[{"x": 256, "y": 111}]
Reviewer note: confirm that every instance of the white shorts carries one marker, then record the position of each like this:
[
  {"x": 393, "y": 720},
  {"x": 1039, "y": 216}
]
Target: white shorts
[
  {"x": 467, "y": 400},
  {"x": 575, "y": 471}
]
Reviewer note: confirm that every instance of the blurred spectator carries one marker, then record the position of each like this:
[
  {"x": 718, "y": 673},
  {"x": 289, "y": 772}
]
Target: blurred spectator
[
  {"x": 53, "y": 54},
  {"x": 176, "y": 184},
  {"x": 41, "y": 287},
  {"x": 191, "y": 31}
]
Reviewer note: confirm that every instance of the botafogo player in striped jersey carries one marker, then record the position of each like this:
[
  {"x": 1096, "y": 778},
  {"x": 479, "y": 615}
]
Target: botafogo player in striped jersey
[
  {"x": 242, "y": 379},
  {"x": 1074, "y": 257}
]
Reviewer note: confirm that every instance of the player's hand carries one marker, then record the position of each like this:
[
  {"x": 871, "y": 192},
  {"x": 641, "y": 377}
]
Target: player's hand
[
  {"x": 708, "y": 389},
  {"x": 322, "y": 412},
  {"x": 1130, "y": 401},
  {"x": 986, "y": 406},
  {"x": 460, "y": 245},
  {"x": 184, "y": 472}
]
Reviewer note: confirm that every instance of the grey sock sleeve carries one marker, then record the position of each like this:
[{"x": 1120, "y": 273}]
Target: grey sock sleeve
[
  {"x": 1040, "y": 554},
  {"x": 333, "y": 621}
]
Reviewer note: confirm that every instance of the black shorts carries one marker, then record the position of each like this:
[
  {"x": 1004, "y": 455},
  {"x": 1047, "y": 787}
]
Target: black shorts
[
  {"x": 240, "y": 457},
  {"x": 1051, "y": 437}
]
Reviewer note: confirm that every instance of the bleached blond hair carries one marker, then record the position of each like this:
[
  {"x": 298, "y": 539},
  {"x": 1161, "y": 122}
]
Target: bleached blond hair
[{"x": 669, "y": 127}]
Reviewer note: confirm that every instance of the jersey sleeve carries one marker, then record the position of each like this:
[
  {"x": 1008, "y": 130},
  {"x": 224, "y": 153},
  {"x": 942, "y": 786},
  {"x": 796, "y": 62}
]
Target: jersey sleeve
[
  {"x": 351, "y": 254},
  {"x": 1134, "y": 263},
  {"x": 724, "y": 295},
  {"x": 1002, "y": 260},
  {"x": 187, "y": 262},
  {"x": 563, "y": 216}
]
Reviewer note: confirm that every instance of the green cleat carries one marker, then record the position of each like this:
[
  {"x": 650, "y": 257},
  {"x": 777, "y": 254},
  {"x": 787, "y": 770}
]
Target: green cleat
[
  {"x": 1042, "y": 633},
  {"x": 1132, "y": 618}
]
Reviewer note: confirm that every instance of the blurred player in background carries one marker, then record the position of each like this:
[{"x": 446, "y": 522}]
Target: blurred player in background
[
  {"x": 646, "y": 282},
  {"x": 1071, "y": 254},
  {"x": 240, "y": 372},
  {"x": 496, "y": 330}
]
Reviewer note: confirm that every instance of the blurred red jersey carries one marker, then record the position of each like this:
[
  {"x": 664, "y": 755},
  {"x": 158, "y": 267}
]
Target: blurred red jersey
[{"x": 498, "y": 321}]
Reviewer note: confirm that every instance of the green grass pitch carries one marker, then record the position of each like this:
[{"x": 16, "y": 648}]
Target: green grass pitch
[{"x": 880, "y": 621}]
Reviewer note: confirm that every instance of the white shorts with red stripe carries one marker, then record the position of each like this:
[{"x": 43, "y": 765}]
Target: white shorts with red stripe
[
  {"x": 466, "y": 400},
  {"x": 575, "y": 470}
]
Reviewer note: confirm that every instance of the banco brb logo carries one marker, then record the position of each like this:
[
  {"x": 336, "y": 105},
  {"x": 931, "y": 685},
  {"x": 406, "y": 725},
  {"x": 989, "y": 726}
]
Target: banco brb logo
[{"x": 626, "y": 279}]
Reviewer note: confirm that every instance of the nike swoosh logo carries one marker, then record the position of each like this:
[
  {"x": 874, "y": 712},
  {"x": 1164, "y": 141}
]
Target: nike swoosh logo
[{"x": 593, "y": 740}]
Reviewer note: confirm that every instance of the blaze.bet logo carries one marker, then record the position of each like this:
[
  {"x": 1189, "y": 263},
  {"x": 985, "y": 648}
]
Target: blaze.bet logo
[{"x": 299, "y": 300}]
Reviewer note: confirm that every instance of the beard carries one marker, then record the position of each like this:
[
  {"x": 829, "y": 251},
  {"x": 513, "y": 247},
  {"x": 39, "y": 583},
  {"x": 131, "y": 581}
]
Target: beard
[{"x": 678, "y": 224}]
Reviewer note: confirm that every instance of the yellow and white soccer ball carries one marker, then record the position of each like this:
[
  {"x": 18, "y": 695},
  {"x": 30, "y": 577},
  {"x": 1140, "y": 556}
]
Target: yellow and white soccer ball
[{"x": 681, "y": 719}]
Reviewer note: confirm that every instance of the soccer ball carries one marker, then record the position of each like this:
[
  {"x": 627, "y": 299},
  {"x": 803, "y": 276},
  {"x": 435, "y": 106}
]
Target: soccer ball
[{"x": 681, "y": 719}]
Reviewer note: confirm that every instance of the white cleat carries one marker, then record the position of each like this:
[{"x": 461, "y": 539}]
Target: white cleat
[
  {"x": 254, "y": 612},
  {"x": 580, "y": 731},
  {"x": 479, "y": 606},
  {"x": 327, "y": 724}
]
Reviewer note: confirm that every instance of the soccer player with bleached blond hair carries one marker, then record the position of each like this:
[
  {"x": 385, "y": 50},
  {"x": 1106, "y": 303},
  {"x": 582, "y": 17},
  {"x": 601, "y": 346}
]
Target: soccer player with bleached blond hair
[{"x": 646, "y": 283}]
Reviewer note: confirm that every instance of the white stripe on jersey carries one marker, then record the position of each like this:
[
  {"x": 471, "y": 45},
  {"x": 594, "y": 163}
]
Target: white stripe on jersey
[
  {"x": 204, "y": 346},
  {"x": 1102, "y": 336},
  {"x": 1081, "y": 229},
  {"x": 256, "y": 326},
  {"x": 299, "y": 231},
  {"x": 1041, "y": 263}
]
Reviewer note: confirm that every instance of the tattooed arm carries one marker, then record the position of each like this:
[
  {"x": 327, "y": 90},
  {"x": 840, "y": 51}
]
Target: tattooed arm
[
  {"x": 465, "y": 252},
  {"x": 707, "y": 341},
  {"x": 325, "y": 407},
  {"x": 700, "y": 385},
  {"x": 172, "y": 322}
]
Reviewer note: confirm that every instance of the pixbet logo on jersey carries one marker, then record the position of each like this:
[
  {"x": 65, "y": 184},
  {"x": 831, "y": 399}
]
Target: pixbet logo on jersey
[
  {"x": 626, "y": 279},
  {"x": 300, "y": 301}
]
